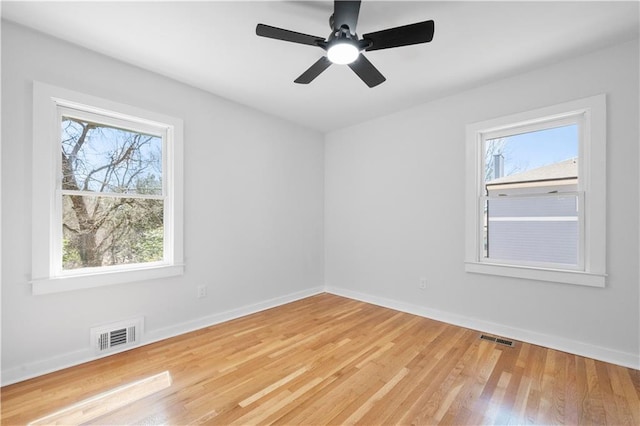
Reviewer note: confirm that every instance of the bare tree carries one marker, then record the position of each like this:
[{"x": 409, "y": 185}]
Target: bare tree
[{"x": 104, "y": 170}]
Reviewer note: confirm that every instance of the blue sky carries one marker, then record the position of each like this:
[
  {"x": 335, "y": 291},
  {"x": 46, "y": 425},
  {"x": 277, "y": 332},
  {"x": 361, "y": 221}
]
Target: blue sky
[
  {"x": 531, "y": 150},
  {"x": 98, "y": 151}
]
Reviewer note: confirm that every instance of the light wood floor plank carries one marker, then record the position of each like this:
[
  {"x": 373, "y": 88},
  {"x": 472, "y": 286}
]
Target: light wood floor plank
[{"x": 331, "y": 360}]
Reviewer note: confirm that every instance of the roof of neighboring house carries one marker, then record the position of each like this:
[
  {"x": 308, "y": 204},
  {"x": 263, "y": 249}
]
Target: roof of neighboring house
[{"x": 567, "y": 169}]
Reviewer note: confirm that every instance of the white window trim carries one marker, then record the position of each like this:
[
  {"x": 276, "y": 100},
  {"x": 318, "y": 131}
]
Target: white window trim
[
  {"x": 592, "y": 181},
  {"x": 47, "y": 100}
]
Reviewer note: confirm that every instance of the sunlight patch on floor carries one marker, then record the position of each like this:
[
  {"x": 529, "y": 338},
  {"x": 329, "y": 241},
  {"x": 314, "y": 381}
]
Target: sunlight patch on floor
[{"x": 107, "y": 402}]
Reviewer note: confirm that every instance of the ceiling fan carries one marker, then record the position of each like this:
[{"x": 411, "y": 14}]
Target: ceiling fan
[{"x": 343, "y": 45}]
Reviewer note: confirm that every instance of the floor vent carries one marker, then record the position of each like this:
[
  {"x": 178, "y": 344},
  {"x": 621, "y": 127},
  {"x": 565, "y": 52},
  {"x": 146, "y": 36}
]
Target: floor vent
[
  {"x": 497, "y": 340},
  {"x": 117, "y": 336}
]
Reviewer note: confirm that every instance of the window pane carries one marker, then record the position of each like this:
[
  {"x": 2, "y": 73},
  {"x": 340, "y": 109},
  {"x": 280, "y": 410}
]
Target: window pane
[
  {"x": 99, "y": 158},
  {"x": 104, "y": 231},
  {"x": 535, "y": 162},
  {"x": 527, "y": 225},
  {"x": 532, "y": 229}
]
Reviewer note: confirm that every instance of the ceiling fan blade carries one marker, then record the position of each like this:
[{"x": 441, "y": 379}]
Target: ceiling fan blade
[
  {"x": 314, "y": 70},
  {"x": 366, "y": 71},
  {"x": 421, "y": 32},
  {"x": 287, "y": 35},
  {"x": 346, "y": 13}
]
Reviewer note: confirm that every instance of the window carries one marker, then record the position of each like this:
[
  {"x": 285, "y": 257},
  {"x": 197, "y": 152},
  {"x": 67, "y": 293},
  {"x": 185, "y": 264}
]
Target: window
[
  {"x": 107, "y": 182},
  {"x": 536, "y": 194}
]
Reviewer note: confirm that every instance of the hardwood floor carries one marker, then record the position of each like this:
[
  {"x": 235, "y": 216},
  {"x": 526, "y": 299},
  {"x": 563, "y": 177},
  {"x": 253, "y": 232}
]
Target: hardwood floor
[{"x": 331, "y": 360}]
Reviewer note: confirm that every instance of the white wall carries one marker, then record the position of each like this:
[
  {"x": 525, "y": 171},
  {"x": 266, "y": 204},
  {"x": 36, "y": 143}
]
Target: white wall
[
  {"x": 263, "y": 197},
  {"x": 253, "y": 209},
  {"x": 394, "y": 212}
]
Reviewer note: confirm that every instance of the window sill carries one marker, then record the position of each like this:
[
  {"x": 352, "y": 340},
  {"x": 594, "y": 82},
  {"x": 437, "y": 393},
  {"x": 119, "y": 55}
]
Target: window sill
[
  {"x": 81, "y": 282},
  {"x": 540, "y": 274}
]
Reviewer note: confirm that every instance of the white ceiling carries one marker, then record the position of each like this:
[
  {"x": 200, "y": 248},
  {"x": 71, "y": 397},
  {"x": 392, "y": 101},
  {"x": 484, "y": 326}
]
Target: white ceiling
[{"x": 212, "y": 45}]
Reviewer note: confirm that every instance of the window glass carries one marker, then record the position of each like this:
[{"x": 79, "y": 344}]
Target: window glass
[
  {"x": 536, "y": 194},
  {"x": 99, "y": 158},
  {"x": 520, "y": 153},
  {"x": 533, "y": 230},
  {"x": 126, "y": 226},
  {"x": 531, "y": 205},
  {"x": 107, "y": 231}
]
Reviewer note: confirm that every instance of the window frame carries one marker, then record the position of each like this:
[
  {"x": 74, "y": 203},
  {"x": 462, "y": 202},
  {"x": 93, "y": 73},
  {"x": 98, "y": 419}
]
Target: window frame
[
  {"x": 591, "y": 112},
  {"x": 49, "y": 104}
]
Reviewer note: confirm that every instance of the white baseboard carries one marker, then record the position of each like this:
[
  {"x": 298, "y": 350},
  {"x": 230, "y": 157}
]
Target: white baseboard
[
  {"x": 59, "y": 362},
  {"x": 70, "y": 359},
  {"x": 624, "y": 359},
  {"x": 197, "y": 324}
]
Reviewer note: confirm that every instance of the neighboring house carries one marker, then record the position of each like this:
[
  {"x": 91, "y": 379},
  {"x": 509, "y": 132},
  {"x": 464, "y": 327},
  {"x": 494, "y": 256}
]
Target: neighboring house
[
  {"x": 537, "y": 219},
  {"x": 560, "y": 177}
]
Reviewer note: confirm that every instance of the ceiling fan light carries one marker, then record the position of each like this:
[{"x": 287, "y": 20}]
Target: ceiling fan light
[{"x": 342, "y": 53}]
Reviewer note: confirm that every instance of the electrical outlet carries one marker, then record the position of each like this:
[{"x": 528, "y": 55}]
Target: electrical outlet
[
  {"x": 202, "y": 291},
  {"x": 422, "y": 285}
]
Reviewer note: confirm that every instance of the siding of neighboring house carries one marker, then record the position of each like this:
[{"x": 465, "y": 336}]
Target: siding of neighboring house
[
  {"x": 540, "y": 229},
  {"x": 534, "y": 229}
]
